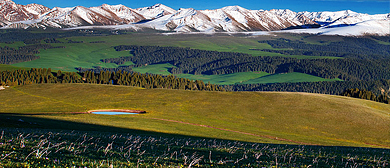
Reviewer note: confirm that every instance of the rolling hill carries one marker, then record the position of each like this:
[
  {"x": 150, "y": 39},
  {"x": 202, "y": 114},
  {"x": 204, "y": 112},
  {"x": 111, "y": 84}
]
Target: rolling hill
[{"x": 266, "y": 117}]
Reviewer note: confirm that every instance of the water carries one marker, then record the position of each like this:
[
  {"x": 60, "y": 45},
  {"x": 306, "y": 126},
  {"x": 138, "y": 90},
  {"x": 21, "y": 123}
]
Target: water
[{"x": 112, "y": 113}]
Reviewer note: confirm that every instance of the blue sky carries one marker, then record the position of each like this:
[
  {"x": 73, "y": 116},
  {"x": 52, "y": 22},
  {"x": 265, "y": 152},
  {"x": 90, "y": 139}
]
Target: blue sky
[{"x": 361, "y": 6}]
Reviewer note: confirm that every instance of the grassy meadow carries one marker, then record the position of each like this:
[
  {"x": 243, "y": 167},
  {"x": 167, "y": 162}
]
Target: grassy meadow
[
  {"x": 288, "y": 77},
  {"x": 265, "y": 117},
  {"x": 235, "y": 78},
  {"x": 4, "y": 67},
  {"x": 88, "y": 54}
]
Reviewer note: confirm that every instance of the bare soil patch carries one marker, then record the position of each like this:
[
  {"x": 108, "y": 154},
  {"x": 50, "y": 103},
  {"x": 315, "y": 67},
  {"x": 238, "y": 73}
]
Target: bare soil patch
[{"x": 118, "y": 110}]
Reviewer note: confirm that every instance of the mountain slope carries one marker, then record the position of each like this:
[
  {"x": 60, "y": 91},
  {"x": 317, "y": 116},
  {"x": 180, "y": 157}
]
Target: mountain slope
[
  {"x": 273, "y": 117},
  {"x": 12, "y": 12},
  {"x": 161, "y": 17},
  {"x": 348, "y": 23},
  {"x": 155, "y": 11}
]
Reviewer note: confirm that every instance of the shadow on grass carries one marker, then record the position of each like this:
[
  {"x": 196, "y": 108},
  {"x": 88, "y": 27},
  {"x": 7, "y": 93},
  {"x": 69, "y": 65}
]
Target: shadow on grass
[
  {"x": 23, "y": 121},
  {"x": 10, "y": 120}
]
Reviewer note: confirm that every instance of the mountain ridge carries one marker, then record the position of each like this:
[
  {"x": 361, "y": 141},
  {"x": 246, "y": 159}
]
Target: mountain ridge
[{"x": 161, "y": 17}]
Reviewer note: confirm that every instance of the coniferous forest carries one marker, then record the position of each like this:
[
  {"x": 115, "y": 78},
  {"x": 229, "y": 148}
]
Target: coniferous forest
[
  {"x": 213, "y": 63},
  {"x": 22, "y": 54},
  {"x": 39, "y": 75},
  {"x": 350, "y": 47}
]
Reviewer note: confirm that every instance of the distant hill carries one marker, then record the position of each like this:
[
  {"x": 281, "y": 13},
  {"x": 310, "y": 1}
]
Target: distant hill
[{"x": 271, "y": 117}]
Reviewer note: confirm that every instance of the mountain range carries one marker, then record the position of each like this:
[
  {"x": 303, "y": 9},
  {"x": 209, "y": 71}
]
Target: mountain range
[{"x": 161, "y": 17}]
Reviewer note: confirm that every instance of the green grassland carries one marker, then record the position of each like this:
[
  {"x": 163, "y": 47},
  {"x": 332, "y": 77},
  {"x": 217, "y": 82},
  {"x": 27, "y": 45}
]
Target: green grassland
[
  {"x": 155, "y": 69},
  {"x": 235, "y": 78},
  {"x": 225, "y": 79},
  {"x": 13, "y": 45},
  {"x": 288, "y": 77},
  {"x": 287, "y": 118},
  {"x": 4, "y": 67},
  {"x": 88, "y": 54}
]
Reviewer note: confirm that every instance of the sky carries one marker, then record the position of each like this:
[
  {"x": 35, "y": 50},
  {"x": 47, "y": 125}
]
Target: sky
[{"x": 360, "y": 6}]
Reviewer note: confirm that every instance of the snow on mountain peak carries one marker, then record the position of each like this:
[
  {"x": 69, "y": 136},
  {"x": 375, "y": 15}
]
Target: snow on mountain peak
[
  {"x": 161, "y": 17},
  {"x": 157, "y": 5},
  {"x": 327, "y": 16},
  {"x": 155, "y": 11},
  {"x": 185, "y": 12},
  {"x": 7, "y": 1},
  {"x": 234, "y": 8}
]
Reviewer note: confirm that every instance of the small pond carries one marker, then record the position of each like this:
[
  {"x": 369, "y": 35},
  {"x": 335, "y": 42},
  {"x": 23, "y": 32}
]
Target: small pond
[{"x": 112, "y": 113}]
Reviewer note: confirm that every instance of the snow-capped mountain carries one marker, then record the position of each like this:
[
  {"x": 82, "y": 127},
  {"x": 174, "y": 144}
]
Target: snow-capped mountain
[
  {"x": 161, "y": 17},
  {"x": 12, "y": 12},
  {"x": 328, "y": 17},
  {"x": 350, "y": 23},
  {"x": 155, "y": 11}
]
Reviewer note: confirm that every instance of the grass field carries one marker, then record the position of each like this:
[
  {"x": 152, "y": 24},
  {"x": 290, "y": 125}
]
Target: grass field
[
  {"x": 13, "y": 45},
  {"x": 88, "y": 54},
  {"x": 292, "y": 118},
  {"x": 288, "y": 77},
  {"x": 235, "y": 78},
  {"x": 155, "y": 69},
  {"x": 54, "y": 148},
  {"x": 225, "y": 79},
  {"x": 4, "y": 67}
]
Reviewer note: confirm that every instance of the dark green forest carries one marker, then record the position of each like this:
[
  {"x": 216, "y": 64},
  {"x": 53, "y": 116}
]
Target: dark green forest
[
  {"x": 364, "y": 64},
  {"x": 22, "y": 54},
  {"x": 378, "y": 88},
  {"x": 197, "y": 62},
  {"x": 33, "y": 36},
  {"x": 350, "y": 47},
  {"x": 365, "y": 94},
  {"x": 39, "y": 75}
]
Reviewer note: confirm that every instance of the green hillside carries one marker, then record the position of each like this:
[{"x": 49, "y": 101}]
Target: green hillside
[
  {"x": 88, "y": 54},
  {"x": 270, "y": 117},
  {"x": 288, "y": 77},
  {"x": 4, "y": 67},
  {"x": 235, "y": 78}
]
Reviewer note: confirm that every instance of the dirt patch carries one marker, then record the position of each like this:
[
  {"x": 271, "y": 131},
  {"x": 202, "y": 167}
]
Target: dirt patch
[{"x": 3, "y": 87}]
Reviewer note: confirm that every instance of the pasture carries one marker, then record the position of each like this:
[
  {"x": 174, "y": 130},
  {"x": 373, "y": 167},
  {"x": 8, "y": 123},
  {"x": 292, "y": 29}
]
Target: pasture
[{"x": 265, "y": 117}]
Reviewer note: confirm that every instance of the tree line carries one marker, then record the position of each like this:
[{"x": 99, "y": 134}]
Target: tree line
[
  {"x": 39, "y": 75},
  {"x": 29, "y": 37},
  {"x": 365, "y": 94},
  {"x": 10, "y": 55},
  {"x": 378, "y": 87},
  {"x": 351, "y": 47}
]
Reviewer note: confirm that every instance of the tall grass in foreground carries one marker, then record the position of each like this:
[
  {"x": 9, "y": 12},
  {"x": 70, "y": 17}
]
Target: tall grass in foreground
[{"x": 45, "y": 148}]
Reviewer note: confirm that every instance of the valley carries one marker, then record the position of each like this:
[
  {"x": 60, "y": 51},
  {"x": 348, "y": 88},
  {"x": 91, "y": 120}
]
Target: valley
[
  {"x": 222, "y": 126},
  {"x": 264, "y": 116},
  {"x": 224, "y": 87}
]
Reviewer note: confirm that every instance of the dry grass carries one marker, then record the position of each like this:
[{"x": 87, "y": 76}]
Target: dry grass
[{"x": 298, "y": 118}]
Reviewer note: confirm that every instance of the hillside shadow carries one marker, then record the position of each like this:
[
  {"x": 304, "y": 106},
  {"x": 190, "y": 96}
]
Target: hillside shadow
[
  {"x": 11, "y": 121},
  {"x": 26, "y": 121},
  {"x": 306, "y": 26},
  {"x": 340, "y": 25}
]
